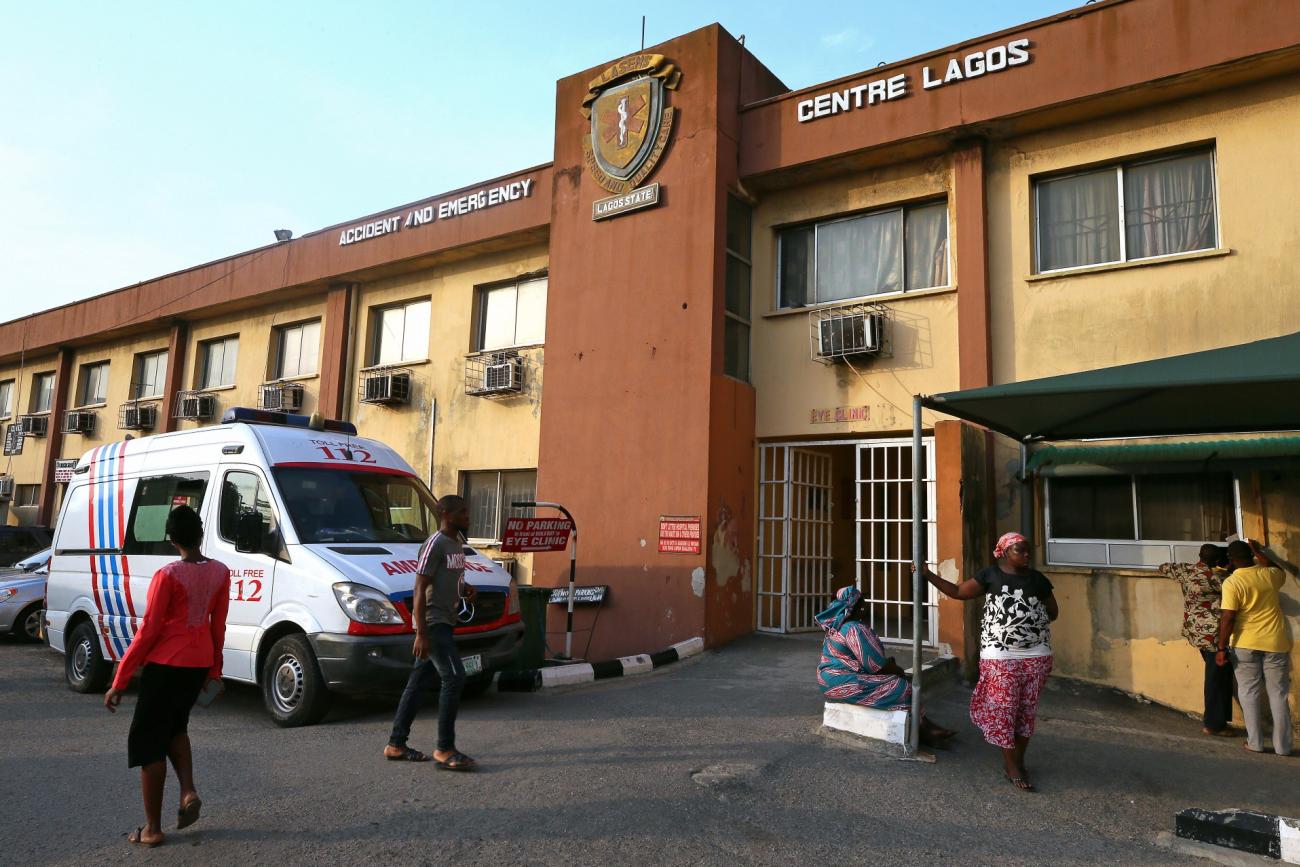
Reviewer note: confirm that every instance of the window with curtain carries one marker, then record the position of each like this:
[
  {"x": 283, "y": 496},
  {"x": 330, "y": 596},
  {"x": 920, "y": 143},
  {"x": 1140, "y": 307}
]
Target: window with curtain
[
  {"x": 150, "y": 374},
  {"x": 895, "y": 250},
  {"x": 6, "y": 398},
  {"x": 297, "y": 350},
  {"x": 42, "y": 392},
  {"x": 400, "y": 333},
  {"x": 490, "y": 493},
  {"x": 1137, "y": 520},
  {"x": 512, "y": 315},
  {"x": 217, "y": 360},
  {"x": 1125, "y": 212},
  {"x": 93, "y": 386}
]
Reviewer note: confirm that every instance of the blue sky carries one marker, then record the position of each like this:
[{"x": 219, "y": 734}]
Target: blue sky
[{"x": 142, "y": 138}]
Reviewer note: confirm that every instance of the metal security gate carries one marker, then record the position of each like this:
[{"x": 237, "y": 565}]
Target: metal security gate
[
  {"x": 794, "y": 538},
  {"x": 884, "y": 537}
]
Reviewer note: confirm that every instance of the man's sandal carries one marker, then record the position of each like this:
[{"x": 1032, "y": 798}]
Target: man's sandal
[
  {"x": 189, "y": 813},
  {"x": 407, "y": 755},
  {"x": 456, "y": 762},
  {"x": 135, "y": 839}
]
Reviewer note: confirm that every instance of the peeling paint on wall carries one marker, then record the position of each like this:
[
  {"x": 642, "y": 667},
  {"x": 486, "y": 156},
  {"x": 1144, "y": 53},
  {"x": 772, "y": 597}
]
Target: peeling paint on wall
[
  {"x": 697, "y": 581},
  {"x": 726, "y": 547}
]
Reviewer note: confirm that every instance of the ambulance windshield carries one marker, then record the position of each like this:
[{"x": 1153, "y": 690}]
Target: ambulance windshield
[{"x": 328, "y": 505}]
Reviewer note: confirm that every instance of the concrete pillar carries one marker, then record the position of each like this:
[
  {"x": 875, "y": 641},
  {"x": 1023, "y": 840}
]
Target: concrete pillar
[
  {"x": 177, "y": 342},
  {"x": 334, "y": 380},
  {"x": 970, "y": 242}
]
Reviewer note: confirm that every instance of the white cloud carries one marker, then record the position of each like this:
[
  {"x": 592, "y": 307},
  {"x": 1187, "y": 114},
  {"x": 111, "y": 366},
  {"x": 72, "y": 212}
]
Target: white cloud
[{"x": 849, "y": 38}]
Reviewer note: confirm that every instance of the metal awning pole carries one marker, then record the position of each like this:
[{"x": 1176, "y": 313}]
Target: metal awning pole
[{"x": 918, "y": 564}]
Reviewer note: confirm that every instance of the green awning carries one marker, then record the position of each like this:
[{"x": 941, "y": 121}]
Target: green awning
[
  {"x": 1250, "y": 387},
  {"x": 1198, "y": 451}
]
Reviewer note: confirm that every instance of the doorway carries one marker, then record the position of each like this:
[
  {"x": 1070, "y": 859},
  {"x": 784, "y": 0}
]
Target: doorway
[{"x": 832, "y": 514}]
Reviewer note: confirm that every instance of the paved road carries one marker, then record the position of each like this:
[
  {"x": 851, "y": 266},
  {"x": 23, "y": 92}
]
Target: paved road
[{"x": 608, "y": 773}]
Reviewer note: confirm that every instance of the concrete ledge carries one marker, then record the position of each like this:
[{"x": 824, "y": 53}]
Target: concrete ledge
[
  {"x": 564, "y": 675},
  {"x": 1210, "y": 852},
  {"x": 889, "y": 726},
  {"x": 1242, "y": 831},
  {"x": 568, "y": 675}
]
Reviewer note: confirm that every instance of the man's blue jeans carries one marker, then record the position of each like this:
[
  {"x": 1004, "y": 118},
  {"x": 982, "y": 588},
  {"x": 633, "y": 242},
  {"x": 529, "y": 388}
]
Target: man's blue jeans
[{"x": 443, "y": 662}]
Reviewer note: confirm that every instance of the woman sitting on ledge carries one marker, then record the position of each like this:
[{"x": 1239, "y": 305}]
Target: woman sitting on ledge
[{"x": 854, "y": 668}]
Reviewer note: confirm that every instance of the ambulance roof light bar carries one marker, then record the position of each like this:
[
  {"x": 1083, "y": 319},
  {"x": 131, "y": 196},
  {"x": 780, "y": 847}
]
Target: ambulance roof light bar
[{"x": 248, "y": 415}]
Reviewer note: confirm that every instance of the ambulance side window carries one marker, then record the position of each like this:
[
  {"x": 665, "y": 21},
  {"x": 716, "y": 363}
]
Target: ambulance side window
[
  {"x": 246, "y": 517},
  {"x": 155, "y": 497}
]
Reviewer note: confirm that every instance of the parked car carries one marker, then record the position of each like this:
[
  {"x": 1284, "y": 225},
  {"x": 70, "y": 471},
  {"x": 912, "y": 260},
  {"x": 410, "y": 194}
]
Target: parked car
[
  {"x": 22, "y": 596},
  {"x": 19, "y": 543},
  {"x": 320, "y": 529}
]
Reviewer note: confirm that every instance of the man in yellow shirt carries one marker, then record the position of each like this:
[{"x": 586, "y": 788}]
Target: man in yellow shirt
[{"x": 1252, "y": 621}]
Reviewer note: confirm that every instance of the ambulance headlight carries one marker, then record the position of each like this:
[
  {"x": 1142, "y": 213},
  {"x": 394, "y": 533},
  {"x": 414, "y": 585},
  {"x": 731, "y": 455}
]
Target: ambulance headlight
[{"x": 365, "y": 604}]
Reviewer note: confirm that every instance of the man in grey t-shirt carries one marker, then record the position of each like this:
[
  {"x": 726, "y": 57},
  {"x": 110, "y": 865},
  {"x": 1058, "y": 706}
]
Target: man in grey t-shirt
[{"x": 439, "y": 587}]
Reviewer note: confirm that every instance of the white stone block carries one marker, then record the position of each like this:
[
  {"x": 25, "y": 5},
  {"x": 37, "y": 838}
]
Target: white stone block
[
  {"x": 689, "y": 647},
  {"x": 1289, "y": 838},
  {"x": 889, "y": 726},
  {"x": 565, "y": 675},
  {"x": 639, "y": 664}
]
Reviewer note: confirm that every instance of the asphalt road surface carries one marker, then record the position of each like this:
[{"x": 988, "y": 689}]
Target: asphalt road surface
[{"x": 714, "y": 760}]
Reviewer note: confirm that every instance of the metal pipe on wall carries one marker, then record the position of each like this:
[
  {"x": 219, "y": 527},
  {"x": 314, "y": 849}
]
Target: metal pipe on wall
[{"x": 918, "y": 565}]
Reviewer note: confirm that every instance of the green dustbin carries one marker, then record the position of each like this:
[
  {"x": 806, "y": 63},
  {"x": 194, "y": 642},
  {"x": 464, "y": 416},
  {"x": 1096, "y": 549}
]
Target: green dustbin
[{"x": 532, "y": 604}]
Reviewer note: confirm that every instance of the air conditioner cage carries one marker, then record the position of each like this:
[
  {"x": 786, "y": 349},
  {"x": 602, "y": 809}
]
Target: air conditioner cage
[
  {"x": 195, "y": 405},
  {"x": 386, "y": 386},
  {"x": 135, "y": 416},
  {"x": 6, "y": 487},
  {"x": 507, "y": 565},
  {"x": 34, "y": 425},
  {"x": 494, "y": 374},
  {"x": 77, "y": 421},
  {"x": 281, "y": 397},
  {"x": 855, "y": 331}
]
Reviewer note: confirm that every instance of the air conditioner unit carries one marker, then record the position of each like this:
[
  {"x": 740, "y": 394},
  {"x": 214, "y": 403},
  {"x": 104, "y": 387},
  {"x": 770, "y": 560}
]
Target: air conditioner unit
[
  {"x": 495, "y": 374},
  {"x": 78, "y": 422},
  {"x": 34, "y": 425},
  {"x": 387, "y": 387},
  {"x": 132, "y": 416},
  {"x": 6, "y": 487},
  {"x": 849, "y": 335},
  {"x": 281, "y": 397},
  {"x": 508, "y": 566},
  {"x": 195, "y": 406}
]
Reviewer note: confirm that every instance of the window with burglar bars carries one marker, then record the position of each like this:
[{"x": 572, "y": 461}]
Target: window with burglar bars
[
  {"x": 489, "y": 495},
  {"x": 1125, "y": 212}
]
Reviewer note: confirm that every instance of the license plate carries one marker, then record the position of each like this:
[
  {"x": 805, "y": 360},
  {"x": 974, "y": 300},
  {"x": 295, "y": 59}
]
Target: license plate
[{"x": 473, "y": 664}]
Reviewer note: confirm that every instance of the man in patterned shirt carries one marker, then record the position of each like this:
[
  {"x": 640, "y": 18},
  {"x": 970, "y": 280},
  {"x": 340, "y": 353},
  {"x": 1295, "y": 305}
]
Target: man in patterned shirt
[{"x": 1202, "y": 585}]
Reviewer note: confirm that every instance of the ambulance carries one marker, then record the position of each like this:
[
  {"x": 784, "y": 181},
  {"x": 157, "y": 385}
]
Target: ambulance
[{"x": 320, "y": 529}]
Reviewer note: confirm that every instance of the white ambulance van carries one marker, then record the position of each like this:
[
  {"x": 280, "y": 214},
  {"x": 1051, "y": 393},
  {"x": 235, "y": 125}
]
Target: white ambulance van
[{"x": 320, "y": 529}]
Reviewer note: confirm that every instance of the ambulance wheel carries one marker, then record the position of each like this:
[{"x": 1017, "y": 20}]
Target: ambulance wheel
[
  {"x": 83, "y": 665},
  {"x": 292, "y": 687}
]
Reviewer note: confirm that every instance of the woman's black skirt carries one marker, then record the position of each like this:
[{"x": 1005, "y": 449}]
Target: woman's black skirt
[{"x": 167, "y": 693}]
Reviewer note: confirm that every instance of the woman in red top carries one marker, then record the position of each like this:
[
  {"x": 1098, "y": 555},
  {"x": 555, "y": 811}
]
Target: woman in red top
[{"x": 179, "y": 646}]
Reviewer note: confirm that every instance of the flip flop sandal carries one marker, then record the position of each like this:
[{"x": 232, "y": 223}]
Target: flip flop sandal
[
  {"x": 408, "y": 755},
  {"x": 1018, "y": 781},
  {"x": 134, "y": 839},
  {"x": 188, "y": 814},
  {"x": 456, "y": 762}
]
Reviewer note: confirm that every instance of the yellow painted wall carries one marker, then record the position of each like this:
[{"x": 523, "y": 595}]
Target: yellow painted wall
[
  {"x": 28, "y": 467},
  {"x": 465, "y": 432},
  {"x": 789, "y": 383},
  {"x": 1086, "y": 320},
  {"x": 120, "y": 354}
]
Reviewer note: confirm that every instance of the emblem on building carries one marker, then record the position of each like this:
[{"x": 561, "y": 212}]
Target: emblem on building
[{"x": 630, "y": 120}]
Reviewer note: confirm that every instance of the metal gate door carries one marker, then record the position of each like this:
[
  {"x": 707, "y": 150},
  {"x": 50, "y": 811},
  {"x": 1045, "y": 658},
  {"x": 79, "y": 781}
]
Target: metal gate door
[
  {"x": 794, "y": 538},
  {"x": 884, "y": 537}
]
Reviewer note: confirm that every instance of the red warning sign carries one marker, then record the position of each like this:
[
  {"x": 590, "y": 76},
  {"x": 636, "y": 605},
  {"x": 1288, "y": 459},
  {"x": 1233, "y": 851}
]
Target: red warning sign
[
  {"x": 679, "y": 534},
  {"x": 532, "y": 535}
]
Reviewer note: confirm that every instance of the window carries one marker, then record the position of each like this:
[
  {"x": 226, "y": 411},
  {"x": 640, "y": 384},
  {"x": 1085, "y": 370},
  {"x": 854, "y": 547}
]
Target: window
[
  {"x": 217, "y": 362},
  {"x": 329, "y": 505},
  {"x": 150, "y": 375},
  {"x": 513, "y": 315},
  {"x": 868, "y": 254},
  {"x": 400, "y": 333},
  {"x": 735, "y": 352},
  {"x": 247, "y": 519},
  {"x": 297, "y": 350},
  {"x": 490, "y": 494},
  {"x": 92, "y": 385},
  {"x": 1126, "y": 212},
  {"x": 27, "y": 495},
  {"x": 146, "y": 532},
  {"x": 6, "y": 398},
  {"x": 42, "y": 392},
  {"x": 1142, "y": 520}
]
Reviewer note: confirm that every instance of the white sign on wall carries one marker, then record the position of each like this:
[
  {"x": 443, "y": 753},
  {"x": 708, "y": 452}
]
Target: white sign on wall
[
  {"x": 488, "y": 197},
  {"x": 977, "y": 64}
]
